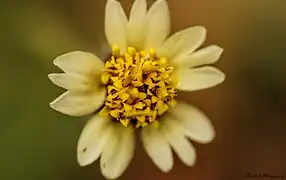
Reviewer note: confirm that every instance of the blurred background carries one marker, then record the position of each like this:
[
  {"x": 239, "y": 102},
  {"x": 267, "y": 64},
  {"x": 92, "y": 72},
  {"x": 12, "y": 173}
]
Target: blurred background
[{"x": 248, "y": 110}]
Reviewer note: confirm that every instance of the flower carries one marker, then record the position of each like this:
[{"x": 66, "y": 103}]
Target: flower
[{"x": 135, "y": 89}]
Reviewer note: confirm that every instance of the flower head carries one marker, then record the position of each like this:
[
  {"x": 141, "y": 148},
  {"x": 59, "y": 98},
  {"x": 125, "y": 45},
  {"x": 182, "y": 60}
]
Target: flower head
[{"x": 135, "y": 88}]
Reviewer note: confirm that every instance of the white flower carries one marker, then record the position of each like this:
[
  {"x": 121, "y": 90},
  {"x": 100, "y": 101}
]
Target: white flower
[{"x": 137, "y": 85}]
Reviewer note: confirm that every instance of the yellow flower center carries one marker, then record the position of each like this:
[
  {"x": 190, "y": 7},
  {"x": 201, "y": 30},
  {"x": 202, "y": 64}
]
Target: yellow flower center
[{"x": 140, "y": 87}]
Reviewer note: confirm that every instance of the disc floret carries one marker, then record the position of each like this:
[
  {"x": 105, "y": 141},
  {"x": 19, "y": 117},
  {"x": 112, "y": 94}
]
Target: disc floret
[{"x": 140, "y": 87}]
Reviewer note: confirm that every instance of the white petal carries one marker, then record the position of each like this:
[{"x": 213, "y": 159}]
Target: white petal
[
  {"x": 158, "y": 27},
  {"x": 184, "y": 149},
  {"x": 157, "y": 148},
  {"x": 196, "y": 125},
  {"x": 137, "y": 24},
  {"x": 73, "y": 82},
  {"x": 79, "y": 104},
  {"x": 183, "y": 42},
  {"x": 115, "y": 24},
  {"x": 118, "y": 152},
  {"x": 175, "y": 134},
  {"x": 138, "y": 11},
  {"x": 96, "y": 133},
  {"x": 208, "y": 55},
  {"x": 78, "y": 62},
  {"x": 199, "y": 78}
]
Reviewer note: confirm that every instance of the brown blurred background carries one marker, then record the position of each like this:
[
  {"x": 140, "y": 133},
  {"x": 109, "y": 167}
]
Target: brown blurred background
[{"x": 248, "y": 110}]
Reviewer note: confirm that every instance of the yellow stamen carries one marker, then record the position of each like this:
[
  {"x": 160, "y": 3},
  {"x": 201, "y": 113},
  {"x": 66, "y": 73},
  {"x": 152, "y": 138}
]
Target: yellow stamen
[
  {"x": 147, "y": 102},
  {"x": 105, "y": 78},
  {"x": 142, "y": 95},
  {"x": 114, "y": 113},
  {"x": 141, "y": 119},
  {"x": 114, "y": 79},
  {"x": 139, "y": 105},
  {"x": 125, "y": 122},
  {"x": 104, "y": 111},
  {"x": 154, "y": 99},
  {"x": 118, "y": 84},
  {"x": 124, "y": 96},
  {"x": 127, "y": 107},
  {"x": 134, "y": 92},
  {"x": 115, "y": 51},
  {"x": 137, "y": 83},
  {"x": 152, "y": 52},
  {"x": 131, "y": 51}
]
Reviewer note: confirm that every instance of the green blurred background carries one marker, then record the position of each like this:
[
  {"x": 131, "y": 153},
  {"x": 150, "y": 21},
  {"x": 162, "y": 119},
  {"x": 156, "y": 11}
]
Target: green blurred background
[{"x": 248, "y": 110}]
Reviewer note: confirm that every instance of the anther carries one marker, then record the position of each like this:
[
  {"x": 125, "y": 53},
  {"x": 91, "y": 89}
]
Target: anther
[{"x": 115, "y": 51}]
